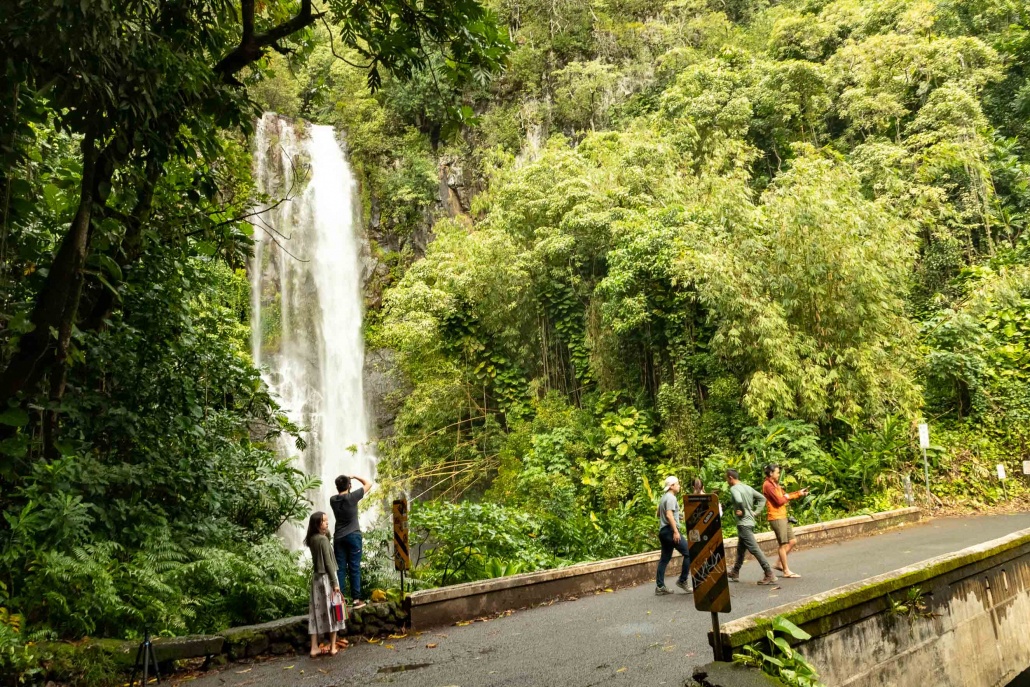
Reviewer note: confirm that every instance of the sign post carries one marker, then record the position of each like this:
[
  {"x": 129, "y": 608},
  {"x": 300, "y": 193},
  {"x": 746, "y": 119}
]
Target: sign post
[
  {"x": 1001, "y": 478},
  {"x": 924, "y": 443},
  {"x": 401, "y": 558},
  {"x": 707, "y": 560}
]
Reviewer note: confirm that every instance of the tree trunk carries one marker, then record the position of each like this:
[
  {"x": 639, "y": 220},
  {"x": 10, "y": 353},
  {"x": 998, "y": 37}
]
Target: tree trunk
[{"x": 53, "y": 315}]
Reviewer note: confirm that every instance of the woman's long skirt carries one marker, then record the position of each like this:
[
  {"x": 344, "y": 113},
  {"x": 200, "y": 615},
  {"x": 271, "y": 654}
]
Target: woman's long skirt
[{"x": 320, "y": 615}]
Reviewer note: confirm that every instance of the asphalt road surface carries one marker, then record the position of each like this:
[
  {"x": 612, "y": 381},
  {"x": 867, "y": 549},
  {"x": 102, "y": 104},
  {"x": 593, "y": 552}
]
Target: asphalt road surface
[{"x": 625, "y": 637}]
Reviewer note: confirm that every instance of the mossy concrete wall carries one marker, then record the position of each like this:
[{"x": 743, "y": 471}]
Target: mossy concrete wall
[
  {"x": 958, "y": 620},
  {"x": 446, "y": 605}
]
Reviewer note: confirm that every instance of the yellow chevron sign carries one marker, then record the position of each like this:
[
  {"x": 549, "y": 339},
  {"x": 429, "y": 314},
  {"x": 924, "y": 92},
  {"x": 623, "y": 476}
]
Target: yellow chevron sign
[{"x": 401, "y": 559}]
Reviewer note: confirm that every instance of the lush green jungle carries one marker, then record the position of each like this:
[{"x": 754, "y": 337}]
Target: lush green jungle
[{"x": 616, "y": 240}]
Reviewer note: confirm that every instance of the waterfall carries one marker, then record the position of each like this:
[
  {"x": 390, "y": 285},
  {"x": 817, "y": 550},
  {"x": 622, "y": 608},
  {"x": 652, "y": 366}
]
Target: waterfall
[{"x": 306, "y": 301}]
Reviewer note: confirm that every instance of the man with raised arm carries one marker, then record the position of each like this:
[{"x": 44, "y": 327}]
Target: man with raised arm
[{"x": 347, "y": 535}]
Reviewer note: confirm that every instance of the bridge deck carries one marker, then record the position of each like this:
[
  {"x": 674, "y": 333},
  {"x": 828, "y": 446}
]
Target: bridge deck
[{"x": 627, "y": 637}]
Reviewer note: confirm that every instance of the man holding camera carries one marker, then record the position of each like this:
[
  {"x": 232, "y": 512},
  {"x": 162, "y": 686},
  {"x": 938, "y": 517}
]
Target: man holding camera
[
  {"x": 777, "y": 514},
  {"x": 347, "y": 537}
]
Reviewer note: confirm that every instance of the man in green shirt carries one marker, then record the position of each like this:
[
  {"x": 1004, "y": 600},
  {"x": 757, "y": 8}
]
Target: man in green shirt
[{"x": 747, "y": 502}]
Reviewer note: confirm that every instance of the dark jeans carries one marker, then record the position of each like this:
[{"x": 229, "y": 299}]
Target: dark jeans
[
  {"x": 665, "y": 537},
  {"x": 746, "y": 542},
  {"x": 348, "y": 563}
]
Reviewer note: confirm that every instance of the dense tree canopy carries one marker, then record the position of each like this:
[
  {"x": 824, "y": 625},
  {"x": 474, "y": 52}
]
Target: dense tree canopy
[
  {"x": 139, "y": 478},
  {"x": 668, "y": 237}
]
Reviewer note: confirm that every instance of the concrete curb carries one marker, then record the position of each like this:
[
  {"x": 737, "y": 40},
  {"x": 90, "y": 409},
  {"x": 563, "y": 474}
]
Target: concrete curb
[{"x": 446, "y": 605}]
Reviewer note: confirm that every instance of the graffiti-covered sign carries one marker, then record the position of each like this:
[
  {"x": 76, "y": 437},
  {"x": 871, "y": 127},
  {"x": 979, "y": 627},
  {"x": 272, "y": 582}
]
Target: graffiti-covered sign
[
  {"x": 401, "y": 559},
  {"x": 707, "y": 557}
]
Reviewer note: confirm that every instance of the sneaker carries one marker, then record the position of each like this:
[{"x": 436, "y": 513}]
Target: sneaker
[
  {"x": 662, "y": 591},
  {"x": 768, "y": 579},
  {"x": 358, "y": 604},
  {"x": 733, "y": 576},
  {"x": 685, "y": 586}
]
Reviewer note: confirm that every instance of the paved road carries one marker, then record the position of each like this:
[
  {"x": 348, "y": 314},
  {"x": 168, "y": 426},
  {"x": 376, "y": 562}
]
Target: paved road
[{"x": 627, "y": 637}]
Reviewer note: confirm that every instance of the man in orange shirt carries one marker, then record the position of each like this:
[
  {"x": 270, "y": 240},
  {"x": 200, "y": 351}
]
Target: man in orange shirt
[{"x": 777, "y": 501}]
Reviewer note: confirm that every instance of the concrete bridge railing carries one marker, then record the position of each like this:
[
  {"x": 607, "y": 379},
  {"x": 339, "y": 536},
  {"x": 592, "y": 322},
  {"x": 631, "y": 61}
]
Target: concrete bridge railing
[
  {"x": 445, "y": 605},
  {"x": 958, "y": 620}
]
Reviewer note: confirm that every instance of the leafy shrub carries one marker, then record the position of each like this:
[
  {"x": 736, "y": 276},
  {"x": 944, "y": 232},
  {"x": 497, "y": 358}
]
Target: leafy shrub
[
  {"x": 458, "y": 541},
  {"x": 776, "y": 657}
]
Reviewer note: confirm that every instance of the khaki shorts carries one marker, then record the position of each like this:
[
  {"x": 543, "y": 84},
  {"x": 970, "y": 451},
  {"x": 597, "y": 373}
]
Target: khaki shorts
[{"x": 783, "y": 529}]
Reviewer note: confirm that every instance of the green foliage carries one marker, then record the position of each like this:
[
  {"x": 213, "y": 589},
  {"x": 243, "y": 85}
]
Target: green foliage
[
  {"x": 678, "y": 238},
  {"x": 723, "y": 236},
  {"x": 776, "y": 657},
  {"x": 140, "y": 482},
  {"x": 471, "y": 541}
]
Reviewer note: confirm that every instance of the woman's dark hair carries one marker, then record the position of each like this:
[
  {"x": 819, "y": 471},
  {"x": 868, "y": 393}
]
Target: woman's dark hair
[
  {"x": 314, "y": 526},
  {"x": 343, "y": 483},
  {"x": 770, "y": 469}
]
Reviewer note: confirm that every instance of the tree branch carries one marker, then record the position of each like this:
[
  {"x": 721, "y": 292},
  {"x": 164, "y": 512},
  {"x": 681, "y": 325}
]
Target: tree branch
[{"x": 252, "y": 46}]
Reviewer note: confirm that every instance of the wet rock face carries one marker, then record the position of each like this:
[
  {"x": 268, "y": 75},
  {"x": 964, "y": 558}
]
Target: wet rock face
[
  {"x": 455, "y": 191},
  {"x": 385, "y": 389}
]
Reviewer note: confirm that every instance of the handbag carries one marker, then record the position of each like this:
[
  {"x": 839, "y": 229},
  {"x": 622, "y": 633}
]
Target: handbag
[{"x": 338, "y": 609}]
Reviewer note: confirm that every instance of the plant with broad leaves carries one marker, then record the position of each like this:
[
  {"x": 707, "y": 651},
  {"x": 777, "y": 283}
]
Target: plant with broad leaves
[{"x": 776, "y": 657}]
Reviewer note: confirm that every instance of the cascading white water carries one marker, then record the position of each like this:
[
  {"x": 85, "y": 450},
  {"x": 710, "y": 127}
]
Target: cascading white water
[{"x": 306, "y": 301}]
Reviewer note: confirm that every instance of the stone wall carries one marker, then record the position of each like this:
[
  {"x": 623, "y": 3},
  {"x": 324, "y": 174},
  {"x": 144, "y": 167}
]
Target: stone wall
[
  {"x": 958, "y": 620},
  {"x": 239, "y": 643}
]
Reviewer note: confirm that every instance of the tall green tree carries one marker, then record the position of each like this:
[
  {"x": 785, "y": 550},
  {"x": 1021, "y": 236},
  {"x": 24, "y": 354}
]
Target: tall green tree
[{"x": 139, "y": 85}]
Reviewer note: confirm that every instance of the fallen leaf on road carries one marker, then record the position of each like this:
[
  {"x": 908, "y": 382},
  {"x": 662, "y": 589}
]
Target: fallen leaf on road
[
  {"x": 321, "y": 670},
  {"x": 431, "y": 645},
  {"x": 463, "y": 623},
  {"x": 400, "y": 636},
  {"x": 623, "y": 669},
  {"x": 649, "y": 612},
  {"x": 388, "y": 646},
  {"x": 241, "y": 672},
  {"x": 669, "y": 647},
  {"x": 609, "y": 589},
  {"x": 691, "y": 653},
  {"x": 373, "y": 641},
  {"x": 287, "y": 667},
  {"x": 775, "y": 588}
]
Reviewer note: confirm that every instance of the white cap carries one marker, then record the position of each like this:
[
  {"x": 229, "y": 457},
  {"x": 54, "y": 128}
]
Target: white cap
[{"x": 669, "y": 481}]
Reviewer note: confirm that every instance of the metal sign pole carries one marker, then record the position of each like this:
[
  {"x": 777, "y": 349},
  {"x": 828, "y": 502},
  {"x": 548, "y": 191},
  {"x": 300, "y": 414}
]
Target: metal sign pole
[
  {"x": 717, "y": 637},
  {"x": 926, "y": 474},
  {"x": 924, "y": 443}
]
